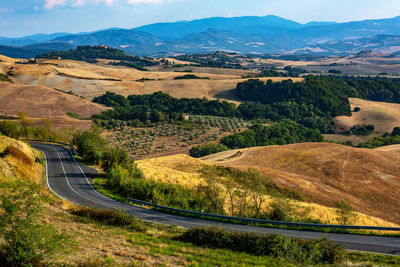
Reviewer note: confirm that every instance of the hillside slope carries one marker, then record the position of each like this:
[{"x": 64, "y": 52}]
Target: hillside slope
[
  {"x": 185, "y": 171},
  {"x": 106, "y": 239},
  {"x": 19, "y": 162},
  {"x": 384, "y": 116},
  {"x": 91, "y": 80},
  {"x": 326, "y": 173},
  {"x": 40, "y": 102}
]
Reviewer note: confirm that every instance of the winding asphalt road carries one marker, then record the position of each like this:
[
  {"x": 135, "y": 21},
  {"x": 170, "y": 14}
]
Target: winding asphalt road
[{"x": 72, "y": 181}]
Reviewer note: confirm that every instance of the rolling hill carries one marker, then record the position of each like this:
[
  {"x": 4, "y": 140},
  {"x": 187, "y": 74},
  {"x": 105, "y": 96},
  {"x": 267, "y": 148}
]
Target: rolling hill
[
  {"x": 91, "y": 80},
  {"x": 325, "y": 173},
  {"x": 384, "y": 116},
  {"x": 41, "y": 102},
  {"x": 183, "y": 170},
  {"x": 38, "y": 102}
]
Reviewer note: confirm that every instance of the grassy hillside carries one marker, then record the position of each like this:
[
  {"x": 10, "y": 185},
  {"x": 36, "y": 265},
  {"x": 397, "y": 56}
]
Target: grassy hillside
[
  {"x": 384, "y": 116},
  {"x": 326, "y": 173},
  {"x": 38, "y": 102},
  {"x": 17, "y": 161},
  {"x": 87, "y": 237},
  {"x": 186, "y": 171},
  {"x": 90, "y": 80}
]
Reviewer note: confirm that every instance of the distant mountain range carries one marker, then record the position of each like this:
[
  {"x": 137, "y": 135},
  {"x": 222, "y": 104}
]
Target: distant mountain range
[{"x": 248, "y": 35}]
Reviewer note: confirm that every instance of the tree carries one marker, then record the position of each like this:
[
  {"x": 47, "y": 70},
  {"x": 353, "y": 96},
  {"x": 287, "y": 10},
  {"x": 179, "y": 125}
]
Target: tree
[
  {"x": 257, "y": 194},
  {"x": 9, "y": 128},
  {"x": 396, "y": 131},
  {"x": 114, "y": 155},
  {"x": 280, "y": 210},
  {"x": 25, "y": 122},
  {"x": 212, "y": 190},
  {"x": 345, "y": 212},
  {"x": 206, "y": 149},
  {"x": 233, "y": 195},
  {"x": 243, "y": 199},
  {"x": 155, "y": 116}
]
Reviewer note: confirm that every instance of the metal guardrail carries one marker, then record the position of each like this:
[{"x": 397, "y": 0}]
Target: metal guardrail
[
  {"x": 259, "y": 221},
  {"x": 52, "y": 142}
]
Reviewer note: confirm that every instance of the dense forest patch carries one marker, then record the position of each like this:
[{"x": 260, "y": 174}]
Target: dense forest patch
[{"x": 92, "y": 53}]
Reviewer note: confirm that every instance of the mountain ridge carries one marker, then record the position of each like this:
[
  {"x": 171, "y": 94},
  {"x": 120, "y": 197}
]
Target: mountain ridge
[{"x": 248, "y": 35}]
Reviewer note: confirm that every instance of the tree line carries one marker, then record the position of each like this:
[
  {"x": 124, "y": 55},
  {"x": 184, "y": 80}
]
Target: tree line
[
  {"x": 283, "y": 133},
  {"x": 92, "y": 53},
  {"x": 313, "y": 103},
  {"x": 160, "y": 107},
  {"x": 214, "y": 60},
  {"x": 387, "y": 139}
]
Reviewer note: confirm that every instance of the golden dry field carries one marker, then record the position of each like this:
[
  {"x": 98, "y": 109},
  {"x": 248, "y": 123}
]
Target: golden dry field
[
  {"x": 42, "y": 102},
  {"x": 184, "y": 170},
  {"x": 389, "y": 148},
  {"x": 19, "y": 163},
  {"x": 325, "y": 173},
  {"x": 384, "y": 116},
  {"x": 91, "y": 80}
]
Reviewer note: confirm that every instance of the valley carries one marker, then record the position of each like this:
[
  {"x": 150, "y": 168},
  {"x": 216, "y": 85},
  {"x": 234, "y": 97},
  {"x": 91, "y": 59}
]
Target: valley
[{"x": 252, "y": 137}]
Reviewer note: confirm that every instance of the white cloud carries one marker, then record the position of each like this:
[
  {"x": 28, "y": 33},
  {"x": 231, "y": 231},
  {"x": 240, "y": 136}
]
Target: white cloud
[{"x": 49, "y": 4}]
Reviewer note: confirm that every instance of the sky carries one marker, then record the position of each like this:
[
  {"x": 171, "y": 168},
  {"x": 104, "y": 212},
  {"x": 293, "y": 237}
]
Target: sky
[{"x": 26, "y": 17}]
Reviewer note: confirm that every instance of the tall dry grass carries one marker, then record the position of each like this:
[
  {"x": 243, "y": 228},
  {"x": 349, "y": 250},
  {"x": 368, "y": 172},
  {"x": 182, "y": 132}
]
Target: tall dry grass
[{"x": 184, "y": 171}]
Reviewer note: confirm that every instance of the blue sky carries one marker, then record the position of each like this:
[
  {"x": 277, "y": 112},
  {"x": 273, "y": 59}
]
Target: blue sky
[{"x": 25, "y": 17}]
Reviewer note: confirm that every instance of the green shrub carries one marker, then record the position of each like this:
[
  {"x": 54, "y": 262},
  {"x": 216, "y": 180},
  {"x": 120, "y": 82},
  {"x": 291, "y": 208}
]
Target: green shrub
[
  {"x": 5, "y": 78},
  {"x": 280, "y": 211},
  {"x": 190, "y": 76},
  {"x": 345, "y": 212},
  {"x": 25, "y": 242},
  {"x": 285, "y": 132},
  {"x": 130, "y": 183},
  {"x": 207, "y": 149},
  {"x": 114, "y": 155},
  {"x": 304, "y": 252},
  {"x": 108, "y": 217},
  {"x": 362, "y": 129}
]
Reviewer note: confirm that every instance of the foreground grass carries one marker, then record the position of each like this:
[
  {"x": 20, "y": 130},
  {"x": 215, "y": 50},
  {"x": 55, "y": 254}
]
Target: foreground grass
[
  {"x": 139, "y": 243},
  {"x": 100, "y": 185},
  {"x": 373, "y": 259},
  {"x": 101, "y": 240}
]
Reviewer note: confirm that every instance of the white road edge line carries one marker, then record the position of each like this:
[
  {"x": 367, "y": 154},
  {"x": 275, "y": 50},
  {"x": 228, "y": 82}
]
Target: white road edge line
[
  {"x": 66, "y": 177},
  {"x": 47, "y": 176},
  {"x": 51, "y": 189},
  {"x": 103, "y": 196}
]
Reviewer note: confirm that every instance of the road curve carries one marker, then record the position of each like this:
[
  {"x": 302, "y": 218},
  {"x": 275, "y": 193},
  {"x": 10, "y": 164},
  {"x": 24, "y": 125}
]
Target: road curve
[{"x": 72, "y": 181}]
